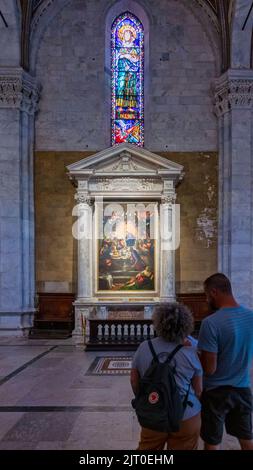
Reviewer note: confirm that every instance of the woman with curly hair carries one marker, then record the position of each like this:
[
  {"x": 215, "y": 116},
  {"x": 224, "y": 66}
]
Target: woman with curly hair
[{"x": 173, "y": 324}]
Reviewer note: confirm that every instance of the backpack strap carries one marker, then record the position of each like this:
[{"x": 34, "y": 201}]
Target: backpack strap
[
  {"x": 172, "y": 354},
  {"x": 169, "y": 358},
  {"x": 186, "y": 402},
  {"x": 151, "y": 347}
]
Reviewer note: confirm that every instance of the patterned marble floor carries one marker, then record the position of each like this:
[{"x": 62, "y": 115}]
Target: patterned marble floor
[{"x": 48, "y": 402}]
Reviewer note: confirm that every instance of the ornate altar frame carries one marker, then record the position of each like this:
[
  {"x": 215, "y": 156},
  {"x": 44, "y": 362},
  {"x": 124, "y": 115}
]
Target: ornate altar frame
[{"x": 121, "y": 173}]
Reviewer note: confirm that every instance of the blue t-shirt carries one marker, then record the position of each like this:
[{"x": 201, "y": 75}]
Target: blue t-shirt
[
  {"x": 187, "y": 366},
  {"x": 193, "y": 341},
  {"x": 229, "y": 333}
]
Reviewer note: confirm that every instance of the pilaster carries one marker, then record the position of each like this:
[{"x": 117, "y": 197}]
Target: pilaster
[
  {"x": 233, "y": 93},
  {"x": 19, "y": 96}
]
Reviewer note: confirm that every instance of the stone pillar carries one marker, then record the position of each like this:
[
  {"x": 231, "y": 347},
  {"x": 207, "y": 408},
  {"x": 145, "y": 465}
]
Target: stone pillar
[
  {"x": 233, "y": 106},
  {"x": 167, "y": 249},
  {"x": 19, "y": 96},
  {"x": 85, "y": 230}
]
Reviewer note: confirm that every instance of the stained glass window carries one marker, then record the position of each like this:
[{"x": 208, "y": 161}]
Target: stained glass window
[{"x": 127, "y": 80}]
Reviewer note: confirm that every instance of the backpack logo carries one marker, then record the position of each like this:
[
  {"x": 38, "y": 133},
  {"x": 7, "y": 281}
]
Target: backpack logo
[{"x": 153, "y": 398}]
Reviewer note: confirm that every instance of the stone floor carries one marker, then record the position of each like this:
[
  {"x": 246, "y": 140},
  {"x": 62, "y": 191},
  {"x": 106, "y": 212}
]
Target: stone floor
[{"x": 47, "y": 401}]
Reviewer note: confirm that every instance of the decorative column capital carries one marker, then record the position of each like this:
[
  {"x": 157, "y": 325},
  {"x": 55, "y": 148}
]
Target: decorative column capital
[
  {"x": 19, "y": 90},
  {"x": 83, "y": 198},
  {"x": 168, "y": 198},
  {"x": 233, "y": 90}
]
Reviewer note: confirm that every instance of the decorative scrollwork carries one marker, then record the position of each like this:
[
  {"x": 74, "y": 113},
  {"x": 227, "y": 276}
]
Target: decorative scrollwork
[{"x": 232, "y": 93}]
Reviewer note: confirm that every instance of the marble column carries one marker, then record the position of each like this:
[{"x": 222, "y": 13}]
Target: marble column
[
  {"x": 19, "y": 96},
  {"x": 85, "y": 271},
  {"x": 233, "y": 106},
  {"x": 167, "y": 248}
]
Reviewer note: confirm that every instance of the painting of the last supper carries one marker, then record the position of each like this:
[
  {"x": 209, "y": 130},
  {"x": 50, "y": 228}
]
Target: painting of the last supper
[{"x": 126, "y": 249}]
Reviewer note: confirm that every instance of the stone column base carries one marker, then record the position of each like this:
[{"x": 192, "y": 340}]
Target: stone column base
[
  {"x": 165, "y": 300},
  {"x": 17, "y": 323},
  {"x": 81, "y": 334}
]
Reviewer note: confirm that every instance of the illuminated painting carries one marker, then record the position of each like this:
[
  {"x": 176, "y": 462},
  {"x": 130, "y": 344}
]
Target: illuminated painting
[
  {"x": 126, "y": 252},
  {"x": 127, "y": 80}
]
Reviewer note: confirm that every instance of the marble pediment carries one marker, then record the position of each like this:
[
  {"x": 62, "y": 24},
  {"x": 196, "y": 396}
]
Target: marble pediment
[{"x": 125, "y": 161}]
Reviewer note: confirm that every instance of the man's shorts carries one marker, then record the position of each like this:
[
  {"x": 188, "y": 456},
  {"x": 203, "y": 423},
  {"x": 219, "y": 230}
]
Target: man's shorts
[{"x": 227, "y": 405}]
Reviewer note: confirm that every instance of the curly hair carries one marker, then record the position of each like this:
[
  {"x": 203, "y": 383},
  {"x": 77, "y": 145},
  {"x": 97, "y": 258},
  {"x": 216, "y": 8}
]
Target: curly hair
[{"x": 173, "y": 322}]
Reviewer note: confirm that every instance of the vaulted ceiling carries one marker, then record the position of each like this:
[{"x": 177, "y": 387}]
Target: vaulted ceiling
[{"x": 219, "y": 8}]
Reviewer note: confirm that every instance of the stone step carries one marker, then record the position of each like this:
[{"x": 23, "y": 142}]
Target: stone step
[
  {"x": 111, "y": 346},
  {"x": 37, "y": 333}
]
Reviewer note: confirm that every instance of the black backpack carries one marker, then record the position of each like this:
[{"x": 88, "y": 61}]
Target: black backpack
[{"x": 158, "y": 403}]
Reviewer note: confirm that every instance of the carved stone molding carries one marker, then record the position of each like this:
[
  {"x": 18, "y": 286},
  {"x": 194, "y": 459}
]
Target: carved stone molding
[
  {"x": 233, "y": 90},
  {"x": 125, "y": 163},
  {"x": 19, "y": 90},
  {"x": 101, "y": 184},
  {"x": 147, "y": 184},
  {"x": 10, "y": 92},
  {"x": 124, "y": 183}
]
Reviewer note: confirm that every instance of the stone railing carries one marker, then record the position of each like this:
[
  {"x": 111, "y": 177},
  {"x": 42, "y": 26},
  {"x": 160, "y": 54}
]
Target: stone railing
[{"x": 118, "y": 334}]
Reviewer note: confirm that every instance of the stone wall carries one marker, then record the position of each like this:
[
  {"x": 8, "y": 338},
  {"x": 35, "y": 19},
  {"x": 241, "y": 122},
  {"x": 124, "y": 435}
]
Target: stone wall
[
  {"x": 55, "y": 248},
  {"x": 74, "y": 120},
  {"x": 54, "y": 201},
  {"x": 180, "y": 66},
  {"x": 198, "y": 198},
  {"x": 9, "y": 36}
]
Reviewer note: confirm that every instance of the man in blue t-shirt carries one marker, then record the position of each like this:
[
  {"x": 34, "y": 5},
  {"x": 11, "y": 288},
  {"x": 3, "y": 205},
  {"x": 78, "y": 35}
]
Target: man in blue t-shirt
[{"x": 226, "y": 350}]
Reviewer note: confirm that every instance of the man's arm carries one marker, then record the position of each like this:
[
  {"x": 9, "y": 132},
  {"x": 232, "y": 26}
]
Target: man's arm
[
  {"x": 208, "y": 361},
  {"x": 197, "y": 385},
  {"x": 208, "y": 346},
  {"x": 134, "y": 379}
]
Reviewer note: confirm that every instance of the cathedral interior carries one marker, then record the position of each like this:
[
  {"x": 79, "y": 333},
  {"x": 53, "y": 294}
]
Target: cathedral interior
[{"x": 143, "y": 110}]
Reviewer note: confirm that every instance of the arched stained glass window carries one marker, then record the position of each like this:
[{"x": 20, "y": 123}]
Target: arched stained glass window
[{"x": 127, "y": 80}]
